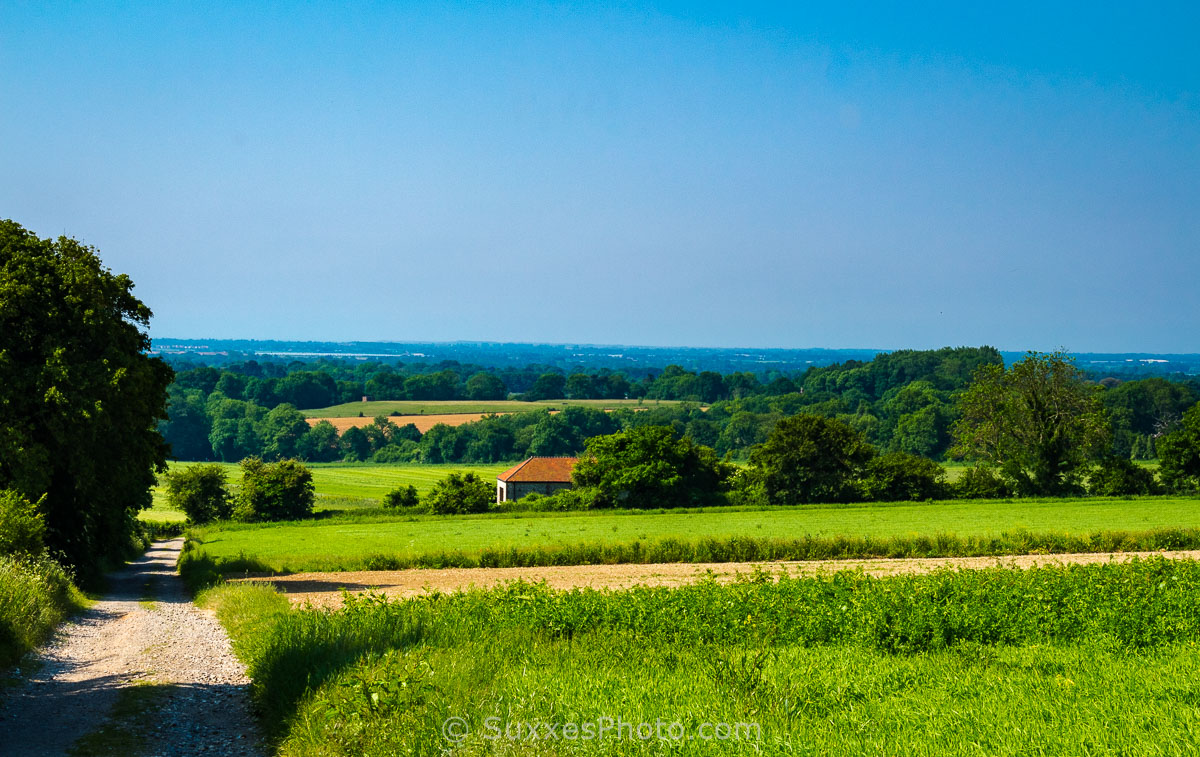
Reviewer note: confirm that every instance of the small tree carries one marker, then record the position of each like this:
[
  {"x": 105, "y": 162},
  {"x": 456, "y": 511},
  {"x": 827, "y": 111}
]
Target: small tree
[
  {"x": 200, "y": 492},
  {"x": 274, "y": 491},
  {"x": 458, "y": 494},
  {"x": 810, "y": 458},
  {"x": 651, "y": 467},
  {"x": 401, "y": 497},
  {"x": 897, "y": 476}
]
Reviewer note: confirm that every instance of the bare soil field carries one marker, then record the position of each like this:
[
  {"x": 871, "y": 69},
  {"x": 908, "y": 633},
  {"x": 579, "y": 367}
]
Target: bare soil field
[
  {"x": 325, "y": 589},
  {"x": 422, "y": 422}
]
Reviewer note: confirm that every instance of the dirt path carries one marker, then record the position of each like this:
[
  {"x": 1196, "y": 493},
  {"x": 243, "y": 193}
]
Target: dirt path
[
  {"x": 143, "y": 671},
  {"x": 324, "y": 589}
]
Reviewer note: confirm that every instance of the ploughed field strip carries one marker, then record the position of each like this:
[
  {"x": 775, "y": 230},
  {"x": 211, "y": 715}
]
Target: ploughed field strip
[
  {"x": 143, "y": 666},
  {"x": 326, "y": 589}
]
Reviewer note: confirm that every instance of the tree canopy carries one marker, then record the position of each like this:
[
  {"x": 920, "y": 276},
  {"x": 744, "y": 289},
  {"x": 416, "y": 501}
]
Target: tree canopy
[
  {"x": 80, "y": 398},
  {"x": 809, "y": 458},
  {"x": 651, "y": 467}
]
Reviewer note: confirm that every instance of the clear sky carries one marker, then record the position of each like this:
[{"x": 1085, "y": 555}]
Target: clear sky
[{"x": 727, "y": 174}]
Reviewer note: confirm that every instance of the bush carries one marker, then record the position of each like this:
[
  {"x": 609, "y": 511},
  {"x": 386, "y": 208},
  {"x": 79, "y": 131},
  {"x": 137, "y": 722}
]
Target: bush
[
  {"x": 458, "y": 494},
  {"x": 404, "y": 451},
  {"x": 1118, "y": 476},
  {"x": 22, "y": 528},
  {"x": 200, "y": 492},
  {"x": 980, "y": 483},
  {"x": 274, "y": 491},
  {"x": 401, "y": 497},
  {"x": 897, "y": 476}
]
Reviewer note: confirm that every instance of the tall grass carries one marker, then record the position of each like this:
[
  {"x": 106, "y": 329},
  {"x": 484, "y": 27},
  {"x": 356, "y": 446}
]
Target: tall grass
[
  {"x": 1062, "y": 660},
  {"x": 36, "y": 594},
  {"x": 712, "y": 549}
]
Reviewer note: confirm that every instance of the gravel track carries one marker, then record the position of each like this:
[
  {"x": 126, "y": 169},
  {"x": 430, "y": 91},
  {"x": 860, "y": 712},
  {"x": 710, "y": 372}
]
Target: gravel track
[{"x": 144, "y": 631}]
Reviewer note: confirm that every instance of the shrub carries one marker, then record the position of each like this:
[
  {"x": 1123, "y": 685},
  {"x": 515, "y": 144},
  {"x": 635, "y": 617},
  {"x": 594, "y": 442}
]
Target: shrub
[
  {"x": 899, "y": 476},
  {"x": 401, "y": 497},
  {"x": 403, "y": 451},
  {"x": 458, "y": 494},
  {"x": 22, "y": 528},
  {"x": 980, "y": 483},
  {"x": 200, "y": 492},
  {"x": 1118, "y": 476},
  {"x": 274, "y": 491}
]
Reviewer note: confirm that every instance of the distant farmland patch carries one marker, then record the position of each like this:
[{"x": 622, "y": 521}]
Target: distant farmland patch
[
  {"x": 422, "y": 422},
  {"x": 455, "y": 407}
]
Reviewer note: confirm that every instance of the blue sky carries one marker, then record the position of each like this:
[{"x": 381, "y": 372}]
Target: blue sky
[{"x": 839, "y": 175}]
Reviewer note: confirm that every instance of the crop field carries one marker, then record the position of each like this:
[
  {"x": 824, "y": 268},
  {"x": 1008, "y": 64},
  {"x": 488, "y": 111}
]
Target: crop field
[
  {"x": 1080, "y": 660},
  {"x": 341, "y": 486},
  {"x": 354, "y": 544},
  {"x": 422, "y": 422},
  {"x": 412, "y": 407}
]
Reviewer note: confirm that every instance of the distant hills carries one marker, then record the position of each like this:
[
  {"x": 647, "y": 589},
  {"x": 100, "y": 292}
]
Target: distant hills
[{"x": 631, "y": 359}]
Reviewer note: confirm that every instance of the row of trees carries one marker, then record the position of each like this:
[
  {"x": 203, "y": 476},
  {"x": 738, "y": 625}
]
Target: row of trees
[
  {"x": 1034, "y": 429},
  {"x": 902, "y": 402}
]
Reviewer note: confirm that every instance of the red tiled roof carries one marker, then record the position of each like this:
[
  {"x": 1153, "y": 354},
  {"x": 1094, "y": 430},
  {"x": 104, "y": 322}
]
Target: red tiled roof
[{"x": 541, "y": 470}]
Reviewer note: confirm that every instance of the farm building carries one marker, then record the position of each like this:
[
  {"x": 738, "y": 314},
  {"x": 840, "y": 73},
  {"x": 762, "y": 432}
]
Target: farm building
[{"x": 543, "y": 475}]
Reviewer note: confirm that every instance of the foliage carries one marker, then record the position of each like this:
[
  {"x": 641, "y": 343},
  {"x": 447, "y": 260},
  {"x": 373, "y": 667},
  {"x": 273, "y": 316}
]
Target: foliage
[
  {"x": 200, "y": 492},
  {"x": 81, "y": 397},
  {"x": 808, "y": 458},
  {"x": 650, "y": 466},
  {"x": 22, "y": 528},
  {"x": 460, "y": 493},
  {"x": 402, "y": 497},
  {"x": 36, "y": 594},
  {"x": 1179, "y": 453},
  {"x": 274, "y": 491},
  {"x": 896, "y": 476},
  {"x": 1119, "y": 476},
  {"x": 980, "y": 482},
  {"x": 1038, "y": 423}
]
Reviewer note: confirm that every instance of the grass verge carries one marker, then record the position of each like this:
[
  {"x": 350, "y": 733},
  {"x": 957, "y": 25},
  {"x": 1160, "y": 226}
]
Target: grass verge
[
  {"x": 1098, "y": 659},
  {"x": 35, "y": 596}
]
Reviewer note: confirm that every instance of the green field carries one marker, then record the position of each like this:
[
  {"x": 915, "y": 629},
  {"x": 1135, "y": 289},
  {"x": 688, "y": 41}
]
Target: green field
[
  {"x": 327, "y": 544},
  {"x": 341, "y": 486},
  {"x": 1047, "y": 661},
  {"x": 406, "y": 407}
]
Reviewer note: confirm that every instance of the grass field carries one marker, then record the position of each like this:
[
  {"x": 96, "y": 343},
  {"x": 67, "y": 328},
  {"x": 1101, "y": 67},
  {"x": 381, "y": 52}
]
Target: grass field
[
  {"x": 405, "y": 407},
  {"x": 330, "y": 545},
  {"x": 1096, "y": 660},
  {"x": 341, "y": 486}
]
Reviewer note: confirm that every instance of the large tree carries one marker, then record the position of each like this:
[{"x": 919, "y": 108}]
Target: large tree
[
  {"x": 80, "y": 400},
  {"x": 1038, "y": 423}
]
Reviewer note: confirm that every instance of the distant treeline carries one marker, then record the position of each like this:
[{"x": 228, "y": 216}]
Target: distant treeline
[{"x": 901, "y": 401}]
